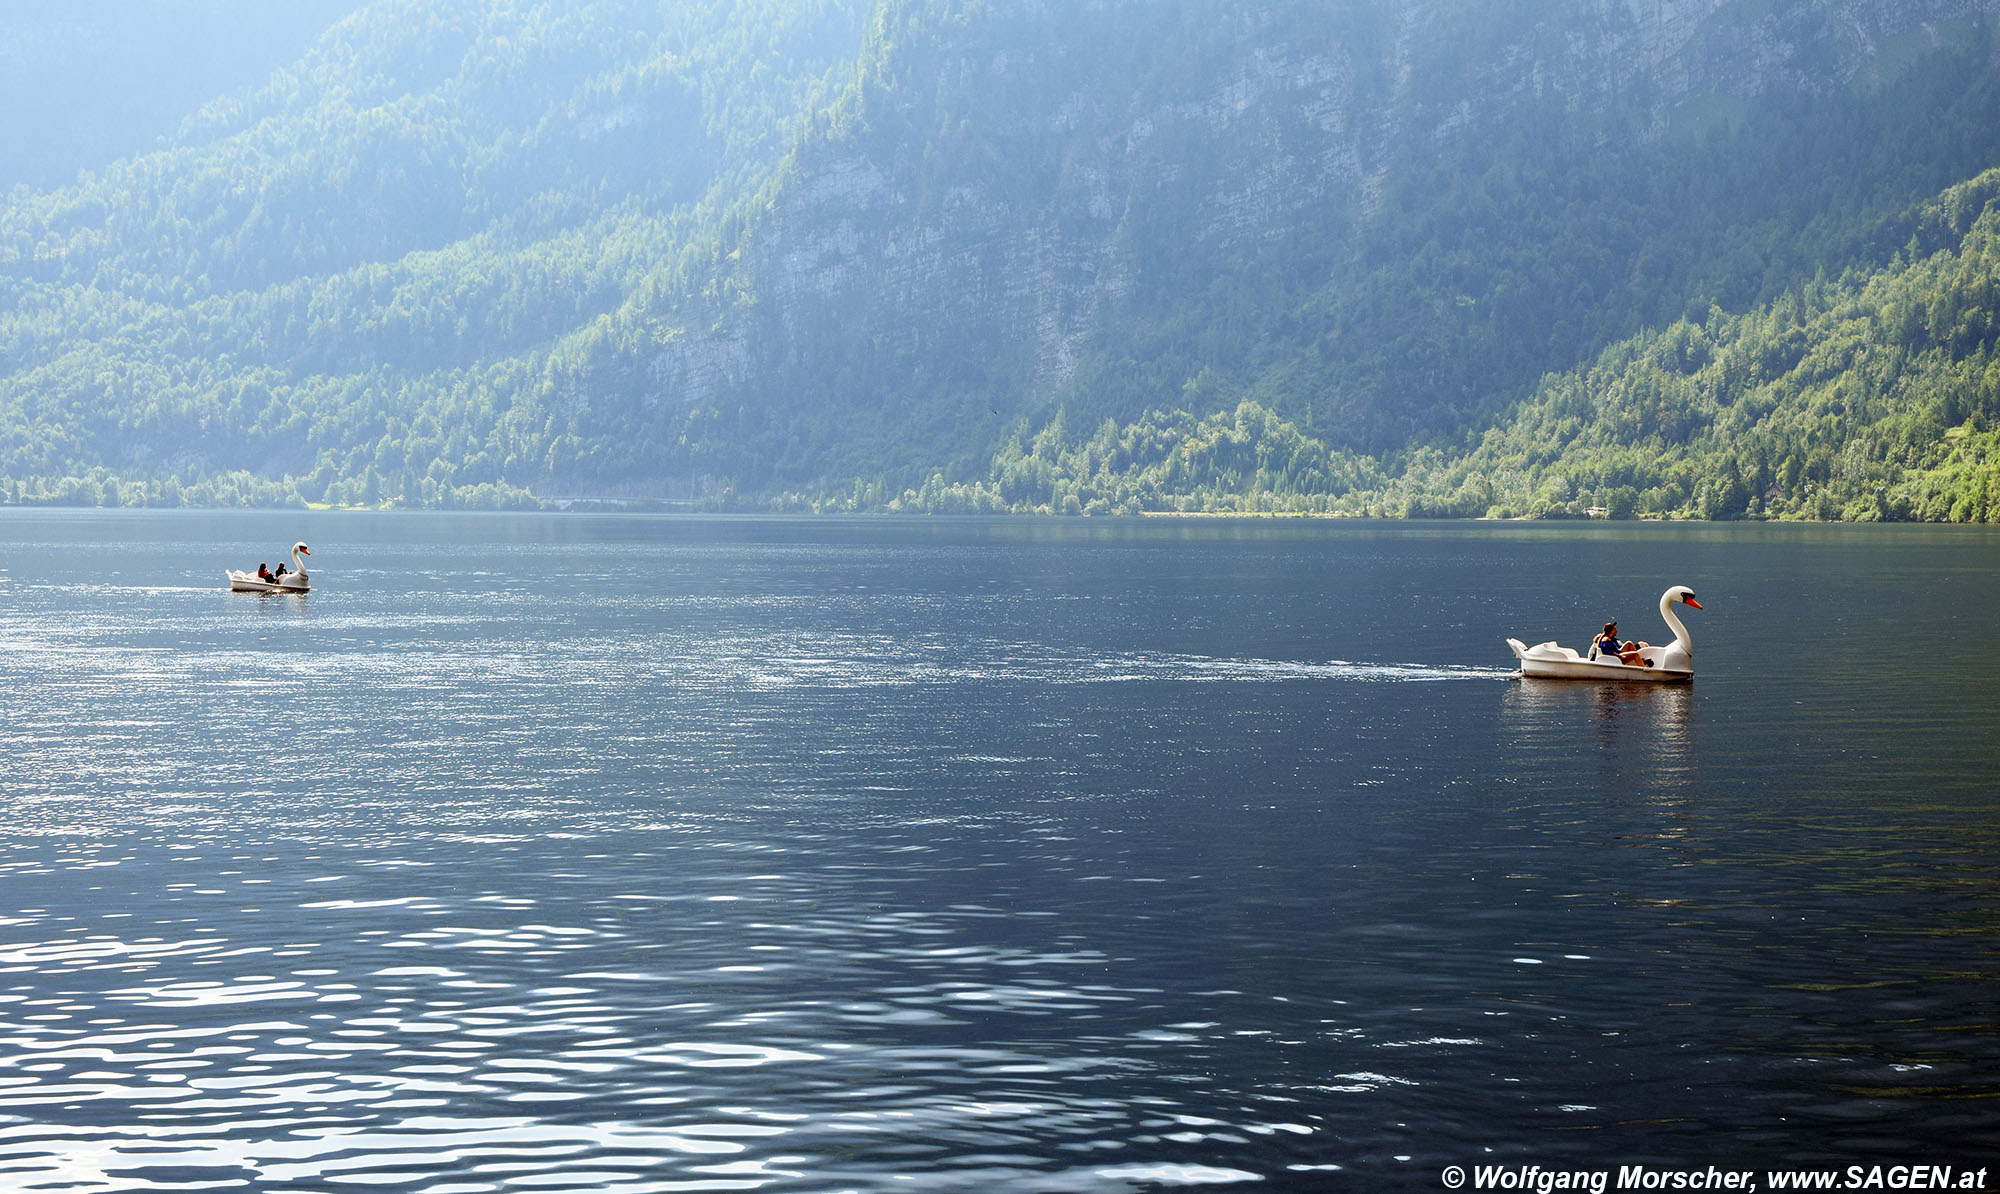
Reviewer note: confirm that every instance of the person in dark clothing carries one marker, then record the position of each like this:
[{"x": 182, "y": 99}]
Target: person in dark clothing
[{"x": 1608, "y": 646}]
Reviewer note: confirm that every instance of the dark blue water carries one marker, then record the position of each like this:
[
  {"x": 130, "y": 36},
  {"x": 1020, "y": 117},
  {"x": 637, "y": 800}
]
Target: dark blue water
[{"x": 646, "y": 854}]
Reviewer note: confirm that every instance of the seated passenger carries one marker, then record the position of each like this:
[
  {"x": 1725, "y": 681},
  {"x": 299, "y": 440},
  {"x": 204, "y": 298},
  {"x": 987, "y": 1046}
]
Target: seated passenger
[
  {"x": 264, "y": 574},
  {"x": 1608, "y": 646}
]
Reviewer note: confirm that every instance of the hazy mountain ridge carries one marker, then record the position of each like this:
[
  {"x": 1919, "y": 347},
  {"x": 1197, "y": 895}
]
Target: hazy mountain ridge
[
  {"x": 754, "y": 252},
  {"x": 82, "y": 85},
  {"x": 1054, "y": 274}
]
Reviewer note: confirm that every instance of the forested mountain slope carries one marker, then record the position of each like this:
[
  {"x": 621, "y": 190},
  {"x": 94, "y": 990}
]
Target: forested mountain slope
[
  {"x": 352, "y": 282},
  {"x": 940, "y": 254},
  {"x": 1873, "y": 396}
]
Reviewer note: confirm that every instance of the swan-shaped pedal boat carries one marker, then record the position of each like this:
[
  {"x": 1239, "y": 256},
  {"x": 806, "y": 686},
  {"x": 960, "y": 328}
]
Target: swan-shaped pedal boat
[
  {"x": 1671, "y": 663},
  {"x": 291, "y": 582}
]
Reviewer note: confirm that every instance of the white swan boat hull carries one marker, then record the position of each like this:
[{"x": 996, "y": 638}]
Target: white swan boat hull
[
  {"x": 247, "y": 582},
  {"x": 1546, "y": 661}
]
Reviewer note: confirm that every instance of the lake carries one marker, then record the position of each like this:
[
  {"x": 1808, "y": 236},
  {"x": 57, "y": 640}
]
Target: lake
[{"x": 636, "y": 853}]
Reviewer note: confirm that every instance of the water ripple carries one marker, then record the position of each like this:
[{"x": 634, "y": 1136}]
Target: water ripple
[{"x": 913, "y": 857}]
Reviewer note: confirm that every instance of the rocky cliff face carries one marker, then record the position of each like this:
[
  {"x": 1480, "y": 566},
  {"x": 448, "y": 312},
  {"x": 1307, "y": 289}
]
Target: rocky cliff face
[
  {"x": 1592, "y": 54},
  {"x": 1012, "y": 188},
  {"x": 1030, "y": 217}
]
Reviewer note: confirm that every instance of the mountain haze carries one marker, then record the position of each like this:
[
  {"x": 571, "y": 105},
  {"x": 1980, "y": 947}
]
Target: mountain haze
[
  {"x": 1377, "y": 257},
  {"x": 86, "y": 82}
]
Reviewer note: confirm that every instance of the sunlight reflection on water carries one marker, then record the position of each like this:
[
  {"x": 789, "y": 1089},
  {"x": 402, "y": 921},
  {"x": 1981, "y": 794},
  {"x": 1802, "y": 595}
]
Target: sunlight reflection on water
[{"x": 823, "y": 856}]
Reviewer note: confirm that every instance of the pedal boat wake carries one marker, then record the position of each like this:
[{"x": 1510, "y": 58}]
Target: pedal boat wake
[
  {"x": 291, "y": 582},
  {"x": 1671, "y": 664}
]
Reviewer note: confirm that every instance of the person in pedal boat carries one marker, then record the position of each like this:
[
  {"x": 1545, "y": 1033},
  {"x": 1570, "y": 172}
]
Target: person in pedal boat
[{"x": 1608, "y": 646}]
